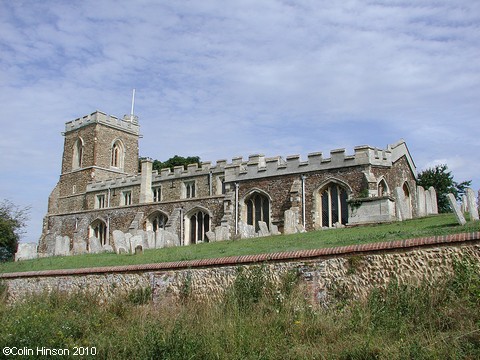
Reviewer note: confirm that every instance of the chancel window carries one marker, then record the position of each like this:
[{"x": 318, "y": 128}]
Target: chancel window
[
  {"x": 334, "y": 207},
  {"x": 258, "y": 209},
  {"x": 199, "y": 226}
]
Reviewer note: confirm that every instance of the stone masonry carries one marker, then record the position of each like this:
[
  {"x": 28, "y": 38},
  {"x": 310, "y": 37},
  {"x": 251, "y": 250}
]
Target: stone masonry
[{"x": 101, "y": 190}]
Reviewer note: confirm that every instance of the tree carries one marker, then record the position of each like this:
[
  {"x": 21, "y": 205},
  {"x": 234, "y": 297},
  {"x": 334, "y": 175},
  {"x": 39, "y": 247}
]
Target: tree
[
  {"x": 174, "y": 161},
  {"x": 12, "y": 221},
  {"x": 442, "y": 180}
]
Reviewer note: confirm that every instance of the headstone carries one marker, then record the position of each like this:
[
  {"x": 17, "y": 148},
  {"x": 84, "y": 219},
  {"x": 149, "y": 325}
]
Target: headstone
[
  {"x": 94, "y": 245},
  {"x": 464, "y": 207},
  {"x": 138, "y": 249},
  {"x": 246, "y": 231},
  {"x": 428, "y": 203},
  {"x": 421, "y": 202},
  {"x": 119, "y": 242},
  {"x": 79, "y": 246},
  {"x": 222, "y": 233},
  {"x": 290, "y": 221},
  {"x": 210, "y": 236},
  {"x": 26, "y": 251},
  {"x": 299, "y": 228},
  {"x": 433, "y": 196},
  {"x": 159, "y": 239},
  {"x": 62, "y": 246},
  {"x": 135, "y": 241},
  {"x": 275, "y": 230},
  {"x": 150, "y": 239},
  {"x": 472, "y": 206},
  {"x": 399, "y": 200},
  {"x": 107, "y": 248},
  {"x": 456, "y": 210},
  {"x": 263, "y": 231},
  {"x": 128, "y": 239},
  {"x": 171, "y": 239}
]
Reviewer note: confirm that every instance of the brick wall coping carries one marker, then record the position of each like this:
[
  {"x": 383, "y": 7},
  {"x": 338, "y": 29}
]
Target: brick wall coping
[{"x": 406, "y": 244}]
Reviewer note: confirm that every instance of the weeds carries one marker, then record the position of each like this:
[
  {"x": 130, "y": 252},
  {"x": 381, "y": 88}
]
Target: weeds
[{"x": 262, "y": 317}]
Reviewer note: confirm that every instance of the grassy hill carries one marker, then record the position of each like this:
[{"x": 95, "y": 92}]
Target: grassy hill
[{"x": 430, "y": 226}]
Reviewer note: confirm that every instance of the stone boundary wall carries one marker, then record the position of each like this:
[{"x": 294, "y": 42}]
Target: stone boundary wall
[{"x": 350, "y": 270}]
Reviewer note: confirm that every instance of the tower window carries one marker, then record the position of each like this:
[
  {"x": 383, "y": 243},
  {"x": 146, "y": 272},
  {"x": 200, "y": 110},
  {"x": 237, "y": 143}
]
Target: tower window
[
  {"x": 117, "y": 155},
  {"x": 77, "y": 154}
]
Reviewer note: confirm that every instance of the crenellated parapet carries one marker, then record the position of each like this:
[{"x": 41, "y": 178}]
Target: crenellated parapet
[
  {"x": 260, "y": 166},
  {"x": 133, "y": 180},
  {"x": 128, "y": 123},
  {"x": 192, "y": 170}
]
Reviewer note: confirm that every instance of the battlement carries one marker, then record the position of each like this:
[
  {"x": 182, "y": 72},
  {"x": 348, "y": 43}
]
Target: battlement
[
  {"x": 132, "y": 180},
  {"x": 260, "y": 166},
  {"x": 128, "y": 123}
]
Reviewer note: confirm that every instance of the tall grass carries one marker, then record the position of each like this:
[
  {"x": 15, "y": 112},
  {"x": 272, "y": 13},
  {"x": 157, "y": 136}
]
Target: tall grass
[{"x": 260, "y": 318}]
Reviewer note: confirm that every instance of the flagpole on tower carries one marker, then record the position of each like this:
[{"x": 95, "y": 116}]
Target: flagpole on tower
[{"x": 132, "y": 114}]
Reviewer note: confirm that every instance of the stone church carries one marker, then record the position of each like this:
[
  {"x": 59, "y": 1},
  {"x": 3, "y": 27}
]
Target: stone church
[{"x": 102, "y": 202}]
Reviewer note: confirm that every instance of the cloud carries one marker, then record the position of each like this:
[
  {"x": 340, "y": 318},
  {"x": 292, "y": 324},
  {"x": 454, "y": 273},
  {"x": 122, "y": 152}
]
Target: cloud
[{"x": 221, "y": 79}]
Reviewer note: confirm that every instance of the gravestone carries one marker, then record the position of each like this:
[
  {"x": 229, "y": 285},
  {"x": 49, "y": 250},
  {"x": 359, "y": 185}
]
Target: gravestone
[
  {"x": 263, "y": 231},
  {"x": 62, "y": 246},
  {"x": 79, "y": 246},
  {"x": 138, "y": 249},
  {"x": 119, "y": 242},
  {"x": 222, "y": 233},
  {"x": 472, "y": 206},
  {"x": 464, "y": 207},
  {"x": 94, "y": 245},
  {"x": 399, "y": 201},
  {"x": 428, "y": 203},
  {"x": 150, "y": 239},
  {"x": 160, "y": 239},
  {"x": 210, "y": 236},
  {"x": 433, "y": 196},
  {"x": 135, "y": 241},
  {"x": 26, "y": 251},
  {"x": 290, "y": 221},
  {"x": 246, "y": 231},
  {"x": 171, "y": 239},
  {"x": 107, "y": 248},
  {"x": 456, "y": 210},
  {"x": 275, "y": 230},
  {"x": 421, "y": 202}
]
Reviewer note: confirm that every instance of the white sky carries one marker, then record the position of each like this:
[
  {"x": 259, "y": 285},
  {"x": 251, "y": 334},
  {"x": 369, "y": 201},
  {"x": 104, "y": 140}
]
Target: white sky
[{"x": 219, "y": 79}]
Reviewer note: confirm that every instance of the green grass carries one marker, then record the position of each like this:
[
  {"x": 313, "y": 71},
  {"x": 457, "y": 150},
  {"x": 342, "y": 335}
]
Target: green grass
[
  {"x": 434, "y": 225},
  {"x": 258, "y": 319}
]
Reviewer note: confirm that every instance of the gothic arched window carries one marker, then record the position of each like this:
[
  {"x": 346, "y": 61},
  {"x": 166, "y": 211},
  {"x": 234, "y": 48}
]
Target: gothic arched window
[
  {"x": 199, "y": 226},
  {"x": 258, "y": 209},
  {"x": 117, "y": 155},
  {"x": 334, "y": 207},
  {"x": 98, "y": 229},
  {"x": 156, "y": 221},
  {"x": 77, "y": 154}
]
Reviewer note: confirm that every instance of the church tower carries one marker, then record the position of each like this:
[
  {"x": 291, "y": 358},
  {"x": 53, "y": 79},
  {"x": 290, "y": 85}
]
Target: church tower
[{"x": 96, "y": 147}]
